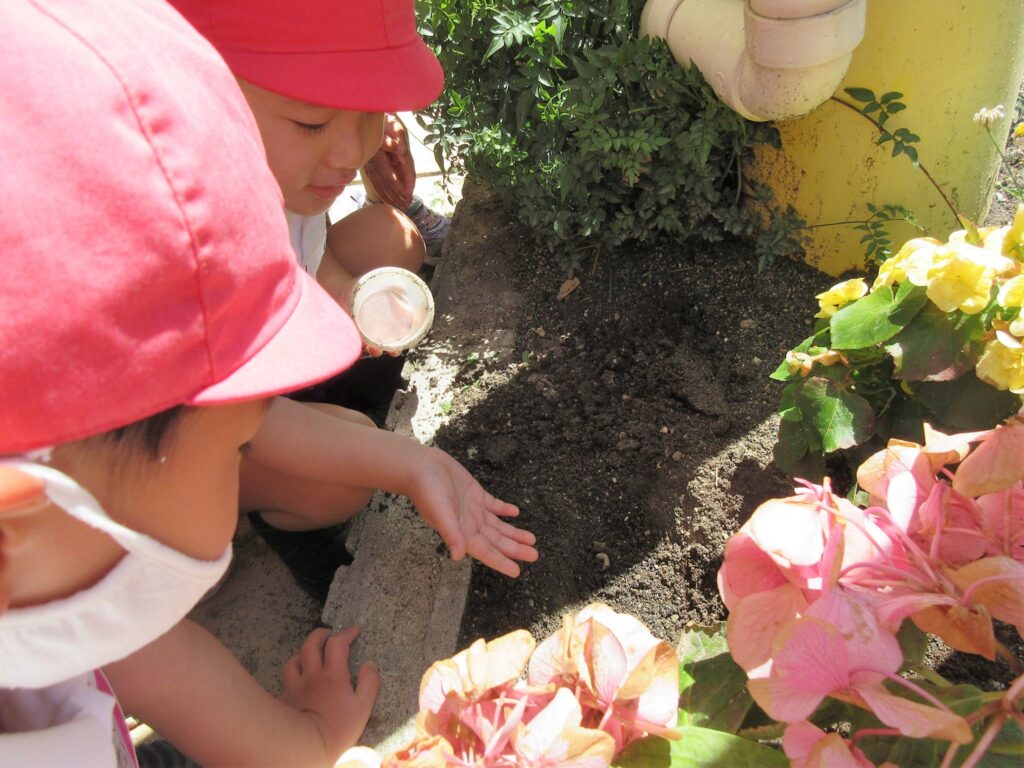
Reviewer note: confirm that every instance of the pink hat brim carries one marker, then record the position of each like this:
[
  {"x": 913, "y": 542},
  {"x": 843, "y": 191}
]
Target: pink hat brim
[
  {"x": 403, "y": 79},
  {"x": 317, "y": 341}
]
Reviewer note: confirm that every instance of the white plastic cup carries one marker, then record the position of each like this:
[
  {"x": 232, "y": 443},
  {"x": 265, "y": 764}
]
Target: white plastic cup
[{"x": 393, "y": 309}]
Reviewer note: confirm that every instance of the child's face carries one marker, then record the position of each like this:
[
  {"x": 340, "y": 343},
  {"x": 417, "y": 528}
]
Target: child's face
[
  {"x": 189, "y": 501},
  {"x": 313, "y": 151}
]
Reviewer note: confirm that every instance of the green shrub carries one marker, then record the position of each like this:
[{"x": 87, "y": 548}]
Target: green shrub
[{"x": 590, "y": 134}]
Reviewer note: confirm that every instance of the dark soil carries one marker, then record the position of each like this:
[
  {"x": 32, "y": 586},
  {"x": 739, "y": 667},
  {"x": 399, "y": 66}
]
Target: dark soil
[
  {"x": 636, "y": 431},
  {"x": 635, "y": 426}
]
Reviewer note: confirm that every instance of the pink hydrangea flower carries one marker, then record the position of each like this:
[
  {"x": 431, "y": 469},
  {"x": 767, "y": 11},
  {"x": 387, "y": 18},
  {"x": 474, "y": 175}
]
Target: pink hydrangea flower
[
  {"x": 810, "y": 747},
  {"x": 626, "y": 680}
]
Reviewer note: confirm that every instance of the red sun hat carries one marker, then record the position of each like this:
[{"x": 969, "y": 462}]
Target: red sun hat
[
  {"x": 143, "y": 245},
  {"x": 360, "y": 55}
]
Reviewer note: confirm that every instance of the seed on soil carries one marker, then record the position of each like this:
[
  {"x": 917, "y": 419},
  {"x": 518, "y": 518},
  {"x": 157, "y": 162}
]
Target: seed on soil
[
  {"x": 604, "y": 560},
  {"x": 664, "y": 430},
  {"x": 677, "y": 456},
  {"x": 746, "y": 325}
]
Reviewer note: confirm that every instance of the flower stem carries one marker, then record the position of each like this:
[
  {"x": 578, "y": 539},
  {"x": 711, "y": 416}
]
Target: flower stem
[
  {"x": 984, "y": 742},
  {"x": 920, "y": 166}
]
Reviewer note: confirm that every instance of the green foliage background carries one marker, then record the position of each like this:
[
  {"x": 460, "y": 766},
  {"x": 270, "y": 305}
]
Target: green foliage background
[{"x": 590, "y": 134}]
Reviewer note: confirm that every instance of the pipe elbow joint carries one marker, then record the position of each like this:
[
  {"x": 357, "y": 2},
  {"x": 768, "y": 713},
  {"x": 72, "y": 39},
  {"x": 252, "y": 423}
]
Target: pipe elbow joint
[{"x": 770, "y": 59}]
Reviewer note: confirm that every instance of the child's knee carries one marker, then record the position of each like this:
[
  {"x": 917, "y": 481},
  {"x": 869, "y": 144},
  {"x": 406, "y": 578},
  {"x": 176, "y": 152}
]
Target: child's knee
[{"x": 399, "y": 240}]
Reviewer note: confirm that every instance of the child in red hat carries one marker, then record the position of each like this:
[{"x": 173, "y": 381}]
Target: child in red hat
[
  {"x": 319, "y": 78},
  {"x": 143, "y": 333},
  {"x": 323, "y": 81}
]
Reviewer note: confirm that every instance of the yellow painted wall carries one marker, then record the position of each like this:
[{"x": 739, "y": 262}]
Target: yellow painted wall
[{"x": 948, "y": 58}]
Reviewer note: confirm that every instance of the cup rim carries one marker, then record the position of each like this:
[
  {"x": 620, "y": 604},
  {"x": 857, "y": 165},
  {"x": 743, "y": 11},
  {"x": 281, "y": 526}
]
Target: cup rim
[{"x": 411, "y": 280}]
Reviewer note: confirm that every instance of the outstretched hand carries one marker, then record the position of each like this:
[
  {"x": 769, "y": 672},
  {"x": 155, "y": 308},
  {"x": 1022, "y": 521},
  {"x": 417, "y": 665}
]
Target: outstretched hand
[
  {"x": 317, "y": 682},
  {"x": 391, "y": 170},
  {"x": 468, "y": 518}
]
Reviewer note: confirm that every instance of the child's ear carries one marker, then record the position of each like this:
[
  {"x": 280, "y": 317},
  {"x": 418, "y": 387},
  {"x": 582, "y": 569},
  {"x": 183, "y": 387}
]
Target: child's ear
[{"x": 20, "y": 495}]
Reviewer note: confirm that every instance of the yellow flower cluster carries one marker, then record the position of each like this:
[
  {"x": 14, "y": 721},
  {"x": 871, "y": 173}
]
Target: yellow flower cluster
[
  {"x": 960, "y": 275},
  {"x": 842, "y": 293}
]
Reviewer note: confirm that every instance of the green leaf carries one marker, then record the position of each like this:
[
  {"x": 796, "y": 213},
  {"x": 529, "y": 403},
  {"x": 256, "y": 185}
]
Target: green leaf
[
  {"x": 967, "y": 403},
  {"x": 700, "y": 748},
  {"x": 701, "y": 643},
  {"x": 496, "y": 45},
  {"x": 718, "y": 697},
  {"x": 793, "y": 452},
  {"x": 522, "y": 107},
  {"x": 839, "y": 417},
  {"x": 867, "y": 321},
  {"x": 861, "y": 94},
  {"x": 936, "y": 346},
  {"x": 913, "y": 642}
]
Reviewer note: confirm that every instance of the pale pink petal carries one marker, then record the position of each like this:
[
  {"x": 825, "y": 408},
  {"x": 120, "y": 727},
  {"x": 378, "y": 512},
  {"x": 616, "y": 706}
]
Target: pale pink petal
[
  {"x": 810, "y": 747},
  {"x": 476, "y": 669},
  {"x": 892, "y": 610},
  {"x": 997, "y": 463},
  {"x": 607, "y": 662},
  {"x": 781, "y": 702},
  {"x": 659, "y": 702},
  {"x": 789, "y": 530},
  {"x": 906, "y": 492},
  {"x": 866, "y": 644},
  {"x": 865, "y": 541},
  {"x": 921, "y": 721},
  {"x": 756, "y": 619},
  {"x": 809, "y": 663},
  {"x": 945, "y": 449},
  {"x": 996, "y": 583},
  {"x": 554, "y": 738},
  {"x": 553, "y": 660},
  {"x": 507, "y": 725},
  {"x": 746, "y": 569},
  {"x": 800, "y": 738},
  {"x": 899, "y": 457},
  {"x": 359, "y": 757},
  {"x": 1001, "y": 517},
  {"x": 636, "y": 640}
]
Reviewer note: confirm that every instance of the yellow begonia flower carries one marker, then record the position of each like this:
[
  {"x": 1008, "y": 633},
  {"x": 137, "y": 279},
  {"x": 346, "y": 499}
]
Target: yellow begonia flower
[
  {"x": 1002, "y": 364},
  {"x": 958, "y": 277},
  {"x": 1013, "y": 240},
  {"x": 842, "y": 293},
  {"x": 1011, "y": 293},
  {"x": 893, "y": 269},
  {"x": 1017, "y": 326}
]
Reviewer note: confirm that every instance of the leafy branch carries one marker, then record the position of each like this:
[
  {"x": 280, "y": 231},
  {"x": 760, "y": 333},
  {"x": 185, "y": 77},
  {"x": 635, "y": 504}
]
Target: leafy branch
[{"x": 902, "y": 139}]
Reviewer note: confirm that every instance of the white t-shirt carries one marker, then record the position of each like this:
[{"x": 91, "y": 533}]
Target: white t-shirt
[
  {"x": 309, "y": 239},
  {"x": 74, "y": 723}
]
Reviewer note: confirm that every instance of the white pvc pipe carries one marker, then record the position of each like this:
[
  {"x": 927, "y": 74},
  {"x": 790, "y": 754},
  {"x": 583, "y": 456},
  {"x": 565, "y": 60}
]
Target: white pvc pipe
[{"x": 767, "y": 59}]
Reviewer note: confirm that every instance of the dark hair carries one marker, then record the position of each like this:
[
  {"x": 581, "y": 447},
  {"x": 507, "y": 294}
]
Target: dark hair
[{"x": 149, "y": 434}]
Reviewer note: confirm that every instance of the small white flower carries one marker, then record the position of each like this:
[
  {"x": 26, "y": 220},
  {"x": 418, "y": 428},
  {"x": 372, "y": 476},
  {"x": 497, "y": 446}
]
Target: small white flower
[{"x": 988, "y": 116}]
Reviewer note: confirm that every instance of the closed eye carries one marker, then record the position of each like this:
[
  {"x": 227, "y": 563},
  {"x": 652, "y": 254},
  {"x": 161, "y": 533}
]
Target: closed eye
[{"x": 311, "y": 127}]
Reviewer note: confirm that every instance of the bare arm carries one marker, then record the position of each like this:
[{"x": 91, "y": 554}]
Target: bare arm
[
  {"x": 192, "y": 691},
  {"x": 306, "y": 443},
  {"x": 335, "y": 279}
]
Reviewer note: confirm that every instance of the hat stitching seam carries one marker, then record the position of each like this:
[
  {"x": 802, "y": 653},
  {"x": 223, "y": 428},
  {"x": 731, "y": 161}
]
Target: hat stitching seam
[{"x": 143, "y": 129}]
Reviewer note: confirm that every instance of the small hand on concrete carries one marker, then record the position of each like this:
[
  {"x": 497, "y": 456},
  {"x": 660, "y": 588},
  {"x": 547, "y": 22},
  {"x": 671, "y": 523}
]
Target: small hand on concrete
[
  {"x": 467, "y": 517},
  {"x": 317, "y": 682}
]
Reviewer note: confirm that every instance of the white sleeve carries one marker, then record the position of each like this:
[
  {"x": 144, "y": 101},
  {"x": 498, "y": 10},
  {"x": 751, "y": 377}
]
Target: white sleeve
[
  {"x": 83, "y": 742},
  {"x": 67, "y": 724}
]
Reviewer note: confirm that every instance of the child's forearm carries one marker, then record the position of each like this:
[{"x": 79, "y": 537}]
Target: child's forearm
[
  {"x": 194, "y": 693},
  {"x": 304, "y": 442},
  {"x": 336, "y": 280}
]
